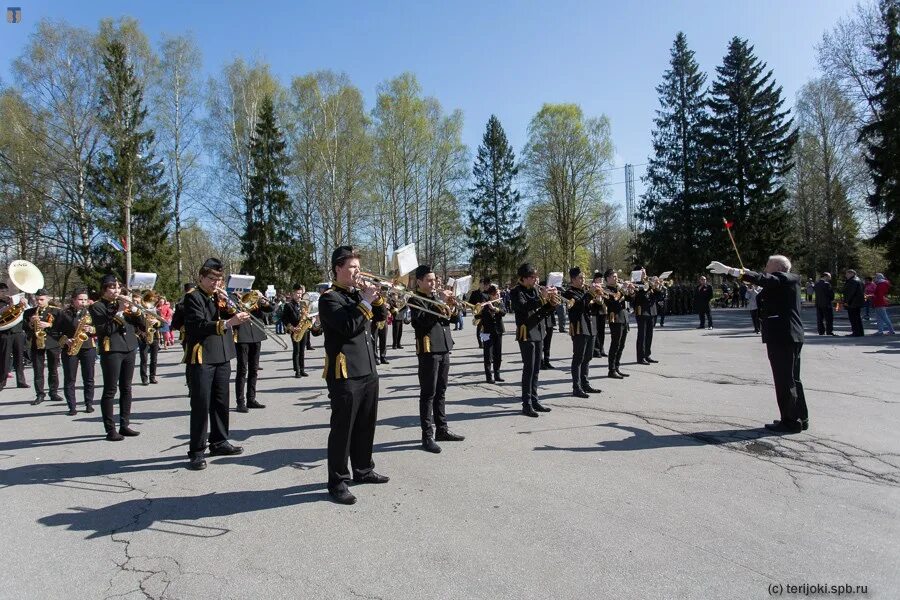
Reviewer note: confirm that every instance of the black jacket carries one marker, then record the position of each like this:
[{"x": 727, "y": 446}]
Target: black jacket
[
  {"x": 702, "y": 296},
  {"x": 248, "y": 333},
  {"x": 68, "y": 323},
  {"x": 779, "y": 306},
  {"x": 824, "y": 294},
  {"x": 492, "y": 318},
  {"x": 49, "y": 314},
  {"x": 530, "y": 313},
  {"x": 290, "y": 313},
  {"x": 208, "y": 340},
  {"x": 114, "y": 333},
  {"x": 346, "y": 322},
  {"x": 579, "y": 303},
  {"x": 432, "y": 332},
  {"x": 616, "y": 306},
  {"x": 854, "y": 293}
]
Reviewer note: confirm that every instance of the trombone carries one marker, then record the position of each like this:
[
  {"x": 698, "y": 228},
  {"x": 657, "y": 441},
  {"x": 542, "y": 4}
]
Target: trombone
[
  {"x": 239, "y": 306},
  {"x": 476, "y": 308},
  {"x": 387, "y": 285}
]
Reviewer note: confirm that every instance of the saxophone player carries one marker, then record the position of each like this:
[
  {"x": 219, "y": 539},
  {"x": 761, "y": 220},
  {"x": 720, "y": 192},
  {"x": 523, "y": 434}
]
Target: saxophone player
[
  {"x": 78, "y": 349},
  {"x": 293, "y": 315},
  {"x": 43, "y": 339},
  {"x": 148, "y": 338}
]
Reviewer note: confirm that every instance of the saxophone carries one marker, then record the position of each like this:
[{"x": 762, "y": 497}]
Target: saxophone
[
  {"x": 40, "y": 335},
  {"x": 81, "y": 335},
  {"x": 300, "y": 330}
]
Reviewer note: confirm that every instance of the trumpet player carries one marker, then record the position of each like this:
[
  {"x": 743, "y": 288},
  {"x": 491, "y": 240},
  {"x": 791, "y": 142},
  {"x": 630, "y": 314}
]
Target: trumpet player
[
  {"x": 580, "y": 303},
  {"x": 115, "y": 320},
  {"x": 248, "y": 347},
  {"x": 379, "y": 335},
  {"x": 12, "y": 341},
  {"x": 148, "y": 337},
  {"x": 531, "y": 307},
  {"x": 399, "y": 316},
  {"x": 434, "y": 341},
  {"x": 44, "y": 345},
  {"x": 492, "y": 330},
  {"x": 293, "y": 315},
  {"x": 599, "y": 315},
  {"x": 646, "y": 308},
  {"x": 78, "y": 349},
  {"x": 617, "y": 313},
  {"x": 478, "y": 296},
  {"x": 549, "y": 327}
]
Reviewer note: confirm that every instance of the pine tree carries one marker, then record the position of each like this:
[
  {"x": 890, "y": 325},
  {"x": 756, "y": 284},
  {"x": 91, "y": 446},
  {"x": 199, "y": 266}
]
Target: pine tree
[
  {"x": 675, "y": 185},
  {"x": 749, "y": 144},
  {"x": 128, "y": 179},
  {"x": 496, "y": 236},
  {"x": 882, "y": 135},
  {"x": 271, "y": 252}
]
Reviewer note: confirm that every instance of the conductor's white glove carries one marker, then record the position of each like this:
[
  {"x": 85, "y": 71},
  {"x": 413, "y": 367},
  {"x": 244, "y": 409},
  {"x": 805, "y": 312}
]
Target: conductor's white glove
[{"x": 719, "y": 269}]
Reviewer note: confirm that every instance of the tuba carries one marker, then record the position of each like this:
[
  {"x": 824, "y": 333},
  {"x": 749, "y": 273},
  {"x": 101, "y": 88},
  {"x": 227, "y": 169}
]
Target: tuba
[{"x": 29, "y": 279}]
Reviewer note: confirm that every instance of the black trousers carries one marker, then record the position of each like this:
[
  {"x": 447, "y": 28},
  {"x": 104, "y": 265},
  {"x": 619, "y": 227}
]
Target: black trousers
[
  {"x": 118, "y": 371},
  {"x": 299, "y": 356},
  {"x": 582, "y": 353},
  {"x": 856, "y": 324},
  {"x": 12, "y": 344},
  {"x": 86, "y": 358},
  {"x": 478, "y": 332},
  {"x": 150, "y": 351},
  {"x": 396, "y": 334},
  {"x": 644, "y": 343},
  {"x": 493, "y": 353},
  {"x": 531, "y": 365},
  {"x": 825, "y": 320},
  {"x": 548, "y": 339},
  {"x": 617, "y": 334},
  {"x": 662, "y": 317},
  {"x": 434, "y": 370},
  {"x": 754, "y": 315},
  {"x": 38, "y": 360},
  {"x": 380, "y": 337},
  {"x": 247, "y": 367},
  {"x": 354, "y": 412},
  {"x": 600, "y": 335},
  {"x": 784, "y": 357},
  {"x": 209, "y": 405},
  {"x": 705, "y": 313}
]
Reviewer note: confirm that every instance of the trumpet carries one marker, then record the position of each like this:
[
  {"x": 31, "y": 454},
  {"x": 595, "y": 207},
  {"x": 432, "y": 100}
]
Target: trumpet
[
  {"x": 476, "y": 308},
  {"x": 550, "y": 295},
  {"x": 239, "y": 306}
]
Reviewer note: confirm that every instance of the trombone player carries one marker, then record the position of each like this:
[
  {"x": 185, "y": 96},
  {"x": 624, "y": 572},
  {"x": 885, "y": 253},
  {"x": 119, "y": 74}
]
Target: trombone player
[{"x": 248, "y": 347}]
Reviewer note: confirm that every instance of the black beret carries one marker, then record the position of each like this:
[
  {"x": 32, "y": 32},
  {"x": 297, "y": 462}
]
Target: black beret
[
  {"x": 339, "y": 253},
  {"x": 526, "y": 270},
  {"x": 598, "y": 274},
  {"x": 422, "y": 271},
  {"x": 608, "y": 272},
  {"x": 188, "y": 287},
  {"x": 298, "y": 286},
  {"x": 78, "y": 291},
  {"x": 42, "y": 292},
  {"x": 574, "y": 272},
  {"x": 213, "y": 264},
  {"x": 108, "y": 280}
]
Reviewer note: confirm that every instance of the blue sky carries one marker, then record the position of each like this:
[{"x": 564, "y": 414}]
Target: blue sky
[{"x": 506, "y": 58}]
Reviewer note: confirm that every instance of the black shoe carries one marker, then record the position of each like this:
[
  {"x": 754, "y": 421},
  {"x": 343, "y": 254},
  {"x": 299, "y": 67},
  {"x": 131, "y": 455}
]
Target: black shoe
[
  {"x": 128, "y": 431},
  {"x": 144, "y": 381},
  {"x": 114, "y": 436},
  {"x": 242, "y": 407},
  {"x": 154, "y": 380},
  {"x": 651, "y": 361},
  {"x": 540, "y": 407},
  {"x": 614, "y": 375},
  {"x": 254, "y": 404},
  {"x": 592, "y": 390},
  {"x": 383, "y": 360},
  {"x": 780, "y": 428},
  {"x": 445, "y": 435},
  {"x": 429, "y": 445},
  {"x": 580, "y": 394},
  {"x": 710, "y": 327},
  {"x": 643, "y": 362},
  {"x": 804, "y": 424},
  {"x": 700, "y": 327},
  {"x": 371, "y": 477},
  {"x": 547, "y": 365},
  {"x": 399, "y": 347},
  {"x": 489, "y": 378},
  {"x": 497, "y": 377},
  {"x": 598, "y": 355},
  {"x": 297, "y": 374},
  {"x": 304, "y": 374},
  {"x": 225, "y": 449},
  {"x": 72, "y": 412},
  {"x": 37, "y": 400},
  {"x": 342, "y": 495},
  {"x": 89, "y": 408},
  {"x": 23, "y": 386},
  {"x": 528, "y": 411},
  {"x": 603, "y": 355},
  {"x": 198, "y": 463},
  {"x": 622, "y": 374},
  {"x": 57, "y": 399}
]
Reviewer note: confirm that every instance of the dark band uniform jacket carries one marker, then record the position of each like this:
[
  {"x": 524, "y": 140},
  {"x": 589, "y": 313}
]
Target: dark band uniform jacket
[
  {"x": 115, "y": 333},
  {"x": 207, "y": 339},
  {"x": 344, "y": 317},
  {"x": 68, "y": 323},
  {"x": 530, "y": 313},
  {"x": 248, "y": 333},
  {"x": 581, "y": 320},
  {"x": 779, "y": 305},
  {"x": 432, "y": 332},
  {"x": 646, "y": 302},
  {"x": 491, "y": 321},
  {"x": 51, "y": 342},
  {"x": 616, "y": 307},
  {"x": 291, "y": 313}
]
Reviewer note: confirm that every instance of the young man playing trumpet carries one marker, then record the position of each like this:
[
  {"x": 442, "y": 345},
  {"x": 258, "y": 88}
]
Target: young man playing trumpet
[
  {"x": 580, "y": 303},
  {"x": 491, "y": 316}
]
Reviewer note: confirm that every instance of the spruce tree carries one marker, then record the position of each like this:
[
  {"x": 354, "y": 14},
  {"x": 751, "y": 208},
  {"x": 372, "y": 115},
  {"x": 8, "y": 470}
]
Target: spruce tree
[
  {"x": 128, "y": 174},
  {"x": 496, "y": 235},
  {"x": 675, "y": 189},
  {"x": 749, "y": 144},
  {"x": 882, "y": 135}
]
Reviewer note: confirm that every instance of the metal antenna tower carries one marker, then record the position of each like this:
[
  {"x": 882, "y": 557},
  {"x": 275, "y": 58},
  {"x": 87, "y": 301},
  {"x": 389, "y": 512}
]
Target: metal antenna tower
[{"x": 629, "y": 196}]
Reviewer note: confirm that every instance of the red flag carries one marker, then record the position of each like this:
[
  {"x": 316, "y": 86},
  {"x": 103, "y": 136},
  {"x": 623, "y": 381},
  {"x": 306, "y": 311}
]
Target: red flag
[
  {"x": 728, "y": 223},
  {"x": 124, "y": 245}
]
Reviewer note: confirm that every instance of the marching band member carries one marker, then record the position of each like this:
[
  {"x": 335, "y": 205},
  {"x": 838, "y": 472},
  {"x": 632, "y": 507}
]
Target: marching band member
[
  {"x": 209, "y": 320},
  {"x": 78, "y": 349},
  {"x": 477, "y": 296},
  {"x": 492, "y": 333},
  {"x": 248, "y": 347},
  {"x": 379, "y": 335},
  {"x": 646, "y": 308},
  {"x": 351, "y": 373},
  {"x": 115, "y": 321},
  {"x": 599, "y": 314},
  {"x": 549, "y": 328},
  {"x": 618, "y": 320},
  {"x": 581, "y": 329},
  {"x": 399, "y": 314},
  {"x": 12, "y": 341},
  {"x": 178, "y": 325},
  {"x": 531, "y": 308},
  {"x": 294, "y": 314},
  {"x": 148, "y": 338},
  {"x": 42, "y": 336},
  {"x": 433, "y": 345}
]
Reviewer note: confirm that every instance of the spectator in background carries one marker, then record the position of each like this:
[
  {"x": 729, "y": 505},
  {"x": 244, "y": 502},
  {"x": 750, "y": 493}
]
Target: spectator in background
[
  {"x": 825, "y": 305},
  {"x": 853, "y": 299},
  {"x": 752, "y": 293},
  {"x": 702, "y": 296},
  {"x": 810, "y": 288},
  {"x": 880, "y": 303},
  {"x": 869, "y": 293}
]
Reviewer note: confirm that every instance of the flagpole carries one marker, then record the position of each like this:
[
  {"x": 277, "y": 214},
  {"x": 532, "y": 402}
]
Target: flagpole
[{"x": 731, "y": 237}]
